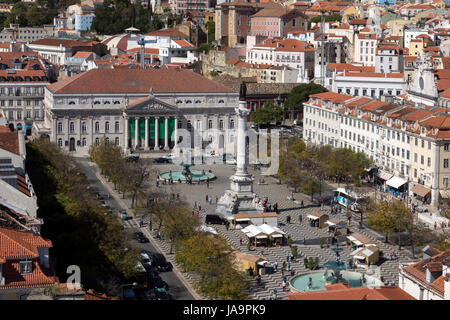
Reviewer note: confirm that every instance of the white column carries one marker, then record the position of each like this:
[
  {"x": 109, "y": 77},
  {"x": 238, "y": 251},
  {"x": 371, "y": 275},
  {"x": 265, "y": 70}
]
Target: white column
[
  {"x": 136, "y": 132},
  {"x": 175, "y": 135},
  {"x": 126, "y": 134},
  {"x": 166, "y": 134},
  {"x": 156, "y": 133},
  {"x": 241, "y": 160},
  {"x": 146, "y": 134}
]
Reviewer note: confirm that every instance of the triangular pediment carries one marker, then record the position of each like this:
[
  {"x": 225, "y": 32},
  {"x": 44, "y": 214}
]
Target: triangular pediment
[{"x": 151, "y": 106}]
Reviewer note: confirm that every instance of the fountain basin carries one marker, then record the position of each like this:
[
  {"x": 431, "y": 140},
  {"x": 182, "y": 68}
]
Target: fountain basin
[
  {"x": 352, "y": 278},
  {"x": 196, "y": 176}
]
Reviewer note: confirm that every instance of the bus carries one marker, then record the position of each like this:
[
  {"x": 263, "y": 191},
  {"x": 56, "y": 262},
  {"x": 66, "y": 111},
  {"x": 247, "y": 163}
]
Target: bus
[{"x": 349, "y": 199}]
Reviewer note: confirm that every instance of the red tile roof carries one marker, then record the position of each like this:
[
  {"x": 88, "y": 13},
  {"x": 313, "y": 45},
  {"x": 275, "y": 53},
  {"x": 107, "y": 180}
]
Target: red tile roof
[
  {"x": 137, "y": 81},
  {"x": 331, "y": 96},
  {"x": 183, "y": 43},
  {"x": 20, "y": 244},
  {"x": 171, "y": 33},
  {"x": 341, "y": 292},
  {"x": 441, "y": 121},
  {"x": 13, "y": 279},
  {"x": 9, "y": 140},
  {"x": 63, "y": 42}
]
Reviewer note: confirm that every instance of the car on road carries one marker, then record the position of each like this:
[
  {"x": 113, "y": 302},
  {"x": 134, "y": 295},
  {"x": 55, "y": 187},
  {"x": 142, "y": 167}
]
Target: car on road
[
  {"x": 124, "y": 216},
  {"x": 160, "y": 263},
  {"x": 161, "y": 160},
  {"x": 229, "y": 159},
  {"x": 214, "y": 219},
  {"x": 170, "y": 156},
  {"x": 132, "y": 158},
  {"x": 145, "y": 260},
  {"x": 161, "y": 294},
  {"x": 421, "y": 209},
  {"x": 159, "y": 283},
  {"x": 140, "y": 237}
]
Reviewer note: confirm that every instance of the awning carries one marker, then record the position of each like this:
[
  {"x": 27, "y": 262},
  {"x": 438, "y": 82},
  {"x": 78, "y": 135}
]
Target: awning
[
  {"x": 359, "y": 257},
  {"x": 243, "y": 219},
  {"x": 445, "y": 194},
  {"x": 355, "y": 241},
  {"x": 420, "y": 190},
  {"x": 261, "y": 237},
  {"x": 277, "y": 236},
  {"x": 384, "y": 175},
  {"x": 312, "y": 217},
  {"x": 328, "y": 222},
  {"x": 396, "y": 182}
]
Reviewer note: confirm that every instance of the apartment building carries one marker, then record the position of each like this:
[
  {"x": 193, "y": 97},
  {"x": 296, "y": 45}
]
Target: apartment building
[
  {"x": 23, "y": 77},
  {"x": 23, "y": 34},
  {"x": 407, "y": 142},
  {"x": 365, "y": 45}
]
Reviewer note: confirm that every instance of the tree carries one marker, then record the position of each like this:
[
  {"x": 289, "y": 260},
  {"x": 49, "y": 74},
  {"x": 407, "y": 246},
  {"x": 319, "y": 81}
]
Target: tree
[
  {"x": 211, "y": 30},
  {"x": 385, "y": 216},
  {"x": 210, "y": 257},
  {"x": 328, "y": 18},
  {"x": 268, "y": 114},
  {"x": 300, "y": 94}
]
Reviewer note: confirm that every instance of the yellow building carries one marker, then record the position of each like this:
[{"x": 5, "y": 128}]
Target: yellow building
[
  {"x": 416, "y": 47},
  {"x": 438, "y": 4},
  {"x": 349, "y": 13},
  {"x": 397, "y": 26}
]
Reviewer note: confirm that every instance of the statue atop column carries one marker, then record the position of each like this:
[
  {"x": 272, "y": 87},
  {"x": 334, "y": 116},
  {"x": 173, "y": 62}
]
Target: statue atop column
[{"x": 243, "y": 91}]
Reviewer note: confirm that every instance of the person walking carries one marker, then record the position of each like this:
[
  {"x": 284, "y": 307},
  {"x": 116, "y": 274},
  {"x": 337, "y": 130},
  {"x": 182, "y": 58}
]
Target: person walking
[
  {"x": 217, "y": 199},
  {"x": 288, "y": 219},
  {"x": 141, "y": 223},
  {"x": 301, "y": 204},
  {"x": 206, "y": 199},
  {"x": 240, "y": 241},
  {"x": 275, "y": 266},
  {"x": 195, "y": 204},
  {"x": 199, "y": 207},
  {"x": 262, "y": 252},
  {"x": 300, "y": 217},
  {"x": 284, "y": 286},
  {"x": 210, "y": 200},
  {"x": 207, "y": 184}
]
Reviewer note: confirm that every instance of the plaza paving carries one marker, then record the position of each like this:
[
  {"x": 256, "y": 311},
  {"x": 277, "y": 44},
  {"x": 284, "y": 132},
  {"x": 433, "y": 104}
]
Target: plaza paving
[{"x": 298, "y": 232}]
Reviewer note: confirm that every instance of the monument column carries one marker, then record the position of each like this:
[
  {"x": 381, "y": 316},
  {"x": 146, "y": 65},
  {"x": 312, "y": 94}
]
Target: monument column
[
  {"x": 146, "y": 134},
  {"x": 156, "y": 133},
  {"x": 126, "y": 133},
  {"x": 166, "y": 134},
  {"x": 136, "y": 132},
  {"x": 241, "y": 158},
  {"x": 175, "y": 133}
]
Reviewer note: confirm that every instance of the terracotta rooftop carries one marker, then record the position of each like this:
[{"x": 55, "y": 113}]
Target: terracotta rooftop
[
  {"x": 63, "y": 42},
  {"x": 417, "y": 271},
  {"x": 20, "y": 244},
  {"x": 171, "y": 33},
  {"x": 9, "y": 140},
  {"x": 341, "y": 292},
  {"x": 331, "y": 96},
  {"x": 39, "y": 277},
  {"x": 440, "y": 121},
  {"x": 183, "y": 43},
  {"x": 137, "y": 81}
]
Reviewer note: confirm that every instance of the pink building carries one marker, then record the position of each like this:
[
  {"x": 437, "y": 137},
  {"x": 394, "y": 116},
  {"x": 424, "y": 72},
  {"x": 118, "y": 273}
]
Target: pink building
[{"x": 276, "y": 22}]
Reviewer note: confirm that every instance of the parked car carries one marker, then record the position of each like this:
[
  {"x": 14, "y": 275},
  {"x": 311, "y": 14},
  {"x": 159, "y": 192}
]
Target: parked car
[
  {"x": 161, "y": 294},
  {"x": 160, "y": 263},
  {"x": 421, "y": 209},
  {"x": 132, "y": 158},
  {"x": 124, "y": 216},
  {"x": 140, "y": 237},
  {"x": 159, "y": 283},
  {"x": 161, "y": 160},
  {"x": 170, "y": 156},
  {"x": 214, "y": 219}
]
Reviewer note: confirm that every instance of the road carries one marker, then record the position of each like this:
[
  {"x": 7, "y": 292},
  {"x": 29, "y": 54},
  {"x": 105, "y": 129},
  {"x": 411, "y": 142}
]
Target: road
[{"x": 176, "y": 288}]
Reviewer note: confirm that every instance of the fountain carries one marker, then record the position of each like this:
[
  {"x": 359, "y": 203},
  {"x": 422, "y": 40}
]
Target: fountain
[
  {"x": 187, "y": 174},
  {"x": 335, "y": 272}
]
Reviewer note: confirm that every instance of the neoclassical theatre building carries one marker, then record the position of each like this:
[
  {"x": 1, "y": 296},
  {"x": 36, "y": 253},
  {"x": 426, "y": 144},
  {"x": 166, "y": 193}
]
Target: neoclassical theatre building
[{"x": 140, "y": 109}]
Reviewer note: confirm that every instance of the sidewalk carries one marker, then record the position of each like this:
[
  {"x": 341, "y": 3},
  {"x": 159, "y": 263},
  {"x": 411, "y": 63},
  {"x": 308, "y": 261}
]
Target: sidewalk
[{"x": 155, "y": 243}]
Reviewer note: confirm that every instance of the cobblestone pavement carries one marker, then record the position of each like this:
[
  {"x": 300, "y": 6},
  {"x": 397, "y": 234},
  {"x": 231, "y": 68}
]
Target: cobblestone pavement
[{"x": 298, "y": 232}]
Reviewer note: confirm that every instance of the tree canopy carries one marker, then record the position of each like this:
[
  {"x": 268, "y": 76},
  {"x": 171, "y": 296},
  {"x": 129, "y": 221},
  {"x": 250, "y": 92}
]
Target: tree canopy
[
  {"x": 300, "y": 94},
  {"x": 268, "y": 114}
]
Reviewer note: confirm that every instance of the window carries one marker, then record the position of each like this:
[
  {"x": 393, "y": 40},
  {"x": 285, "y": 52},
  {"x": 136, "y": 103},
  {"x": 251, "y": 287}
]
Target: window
[
  {"x": 19, "y": 115},
  {"x": 189, "y": 126},
  {"x": 446, "y": 146},
  {"x": 97, "y": 127},
  {"x": 407, "y": 154},
  {"x": 83, "y": 127},
  {"x": 59, "y": 142},
  {"x": 97, "y": 141},
  {"x": 429, "y": 145},
  {"x": 26, "y": 267},
  {"x": 36, "y": 114},
  {"x": 198, "y": 125},
  {"x": 429, "y": 161},
  {"x": 415, "y": 173},
  {"x": 107, "y": 126},
  {"x": 60, "y": 126},
  {"x": 116, "y": 141},
  {"x": 117, "y": 126},
  {"x": 71, "y": 127},
  {"x": 445, "y": 163},
  {"x": 179, "y": 124},
  {"x": 28, "y": 114},
  {"x": 231, "y": 124},
  {"x": 415, "y": 157},
  {"x": 423, "y": 144},
  {"x": 221, "y": 124},
  {"x": 422, "y": 161},
  {"x": 210, "y": 124}
]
